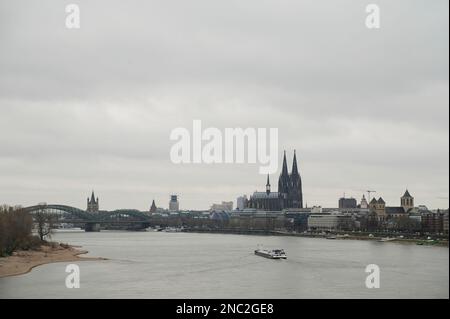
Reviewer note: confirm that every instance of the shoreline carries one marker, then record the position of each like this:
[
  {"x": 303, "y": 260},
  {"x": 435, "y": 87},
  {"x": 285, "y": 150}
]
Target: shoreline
[
  {"x": 417, "y": 241},
  {"x": 23, "y": 261}
]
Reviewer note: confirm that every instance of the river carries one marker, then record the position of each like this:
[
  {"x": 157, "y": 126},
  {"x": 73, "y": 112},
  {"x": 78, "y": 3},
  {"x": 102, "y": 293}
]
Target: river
[{"x": 190, "y": 265}]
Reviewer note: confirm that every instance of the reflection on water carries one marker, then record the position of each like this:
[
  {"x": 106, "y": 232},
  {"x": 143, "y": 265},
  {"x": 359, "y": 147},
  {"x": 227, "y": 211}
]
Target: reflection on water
[{"x": 185, "y": 265}]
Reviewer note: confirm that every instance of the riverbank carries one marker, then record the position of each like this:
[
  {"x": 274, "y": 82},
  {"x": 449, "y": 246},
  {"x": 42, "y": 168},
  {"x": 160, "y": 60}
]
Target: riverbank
[
  {"x": 351, "y": 236},
  {"x": 23, "y": 261}
]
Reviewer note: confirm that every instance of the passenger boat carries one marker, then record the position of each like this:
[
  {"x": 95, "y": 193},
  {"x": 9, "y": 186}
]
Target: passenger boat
[{"x": 271, "y": 254}]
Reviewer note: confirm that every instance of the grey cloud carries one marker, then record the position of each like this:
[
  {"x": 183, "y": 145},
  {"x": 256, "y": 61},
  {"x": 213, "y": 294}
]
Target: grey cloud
[{"x": 94, "y": 107}]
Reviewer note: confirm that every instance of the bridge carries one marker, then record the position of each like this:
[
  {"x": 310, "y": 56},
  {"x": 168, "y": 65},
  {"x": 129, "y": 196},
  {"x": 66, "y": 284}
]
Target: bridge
[{"x": 117, "y": 219}]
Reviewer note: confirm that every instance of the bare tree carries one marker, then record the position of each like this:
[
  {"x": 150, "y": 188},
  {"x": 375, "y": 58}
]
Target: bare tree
[
  {"x": 45, "y": 222},
  {"x": 15, "y": 230}
]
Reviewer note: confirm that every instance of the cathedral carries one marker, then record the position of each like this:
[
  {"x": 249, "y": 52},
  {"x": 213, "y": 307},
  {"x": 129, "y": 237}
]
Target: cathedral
[{"x": 289, "y": 193}]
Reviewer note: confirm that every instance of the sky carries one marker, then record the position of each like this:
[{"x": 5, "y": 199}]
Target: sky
[{"x": 93, "y": 108}]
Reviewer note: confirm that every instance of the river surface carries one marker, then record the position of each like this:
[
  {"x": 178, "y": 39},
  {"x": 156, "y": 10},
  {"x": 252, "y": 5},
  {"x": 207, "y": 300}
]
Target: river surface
[{"x": 189, "y": 265}]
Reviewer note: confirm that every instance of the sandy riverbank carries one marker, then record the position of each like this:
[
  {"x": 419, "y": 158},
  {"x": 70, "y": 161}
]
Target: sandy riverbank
[{"x": 22, "y": 262}]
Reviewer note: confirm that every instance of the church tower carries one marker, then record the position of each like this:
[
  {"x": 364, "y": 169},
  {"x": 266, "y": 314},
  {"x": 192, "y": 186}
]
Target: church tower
[
  {"x": 284, "y": 183},
  {"x": 92, "y": 204},
  {"x": 407, "y": 201},
  {"x": 153, "y": 207},
  {"x": 268, "y": 185},
  {"x": 295, "y": 191},
  {"x": 364, "y": 204}
]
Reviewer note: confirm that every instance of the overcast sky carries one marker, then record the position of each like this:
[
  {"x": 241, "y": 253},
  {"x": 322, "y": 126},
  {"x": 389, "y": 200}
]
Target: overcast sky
[{"x": 93, "y": 108}]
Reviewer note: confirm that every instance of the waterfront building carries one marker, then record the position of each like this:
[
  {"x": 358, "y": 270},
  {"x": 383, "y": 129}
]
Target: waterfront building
[
  {"x": 224, "y": 206},
  {"x": 257, "y": 220},
  {"x": 174, "y": 205},
  {"x": 317, "y": 210},
  {"x": 330, "y": 222},
  {"x": 241, "y": 202},
  {"x": 434, "y": 222},
  {"x": 445, "y": 223},
  {"x": 347, "y": 202},
  {"x": 298, "y": 219},
  {"x": 289, "y": 194},
  {"x": 92, "y": 204},
  {"x": 378, "y": 206}
]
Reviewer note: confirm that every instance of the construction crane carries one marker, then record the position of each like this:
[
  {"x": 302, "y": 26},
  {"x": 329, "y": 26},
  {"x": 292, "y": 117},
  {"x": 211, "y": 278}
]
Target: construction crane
[{"x": 368, "y": 194}]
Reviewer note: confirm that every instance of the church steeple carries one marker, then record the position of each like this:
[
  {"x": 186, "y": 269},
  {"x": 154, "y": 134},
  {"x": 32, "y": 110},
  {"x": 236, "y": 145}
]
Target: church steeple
[
  {"x": 92, "y": 204},
  {"x": 268, "y": 185},
  {"x": 294, "y": 165},
  {"x": 153, "y": 207},
  {"x": 283, "y": 180},
  {"x": 284, "y": 171}
]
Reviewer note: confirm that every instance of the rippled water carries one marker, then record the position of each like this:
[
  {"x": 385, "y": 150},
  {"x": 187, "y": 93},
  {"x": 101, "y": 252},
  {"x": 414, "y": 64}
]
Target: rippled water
[{"x": 187, "y": 265}]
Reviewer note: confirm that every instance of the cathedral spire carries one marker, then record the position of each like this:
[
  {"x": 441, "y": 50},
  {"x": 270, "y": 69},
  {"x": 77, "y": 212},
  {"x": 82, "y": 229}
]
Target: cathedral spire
[
  {"x": 294, "y": 165},
  {"x": 284, "y": 172},
  {"x": 268, "y": 185}
]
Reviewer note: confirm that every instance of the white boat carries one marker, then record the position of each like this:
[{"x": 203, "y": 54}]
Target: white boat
[
  {"x": 271, "y": 254},
  {"x": 385, "y": 239},
  {"x": 173, "y": 229}
]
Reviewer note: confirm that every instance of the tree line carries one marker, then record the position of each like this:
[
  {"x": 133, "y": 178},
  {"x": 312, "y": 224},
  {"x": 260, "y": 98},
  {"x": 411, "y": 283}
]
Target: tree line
[{"x": 16, "y": 229}]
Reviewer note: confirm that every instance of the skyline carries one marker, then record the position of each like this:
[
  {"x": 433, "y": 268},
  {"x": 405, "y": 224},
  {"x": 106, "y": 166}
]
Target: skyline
[
  {"x": 365, "y": 194},
  {"x": 93, "y": 108}
]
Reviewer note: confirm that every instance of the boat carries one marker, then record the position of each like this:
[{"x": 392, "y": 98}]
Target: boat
[
  {"x": 271, "y": 254},
  {"x": 385, "y": 239},
  {"x": 173, "y": 229},
  {"x": 331, "y": 237}
]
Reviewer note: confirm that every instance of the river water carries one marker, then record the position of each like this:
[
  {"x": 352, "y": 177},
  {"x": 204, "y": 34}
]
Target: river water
[{"x": 189, "y": 265}]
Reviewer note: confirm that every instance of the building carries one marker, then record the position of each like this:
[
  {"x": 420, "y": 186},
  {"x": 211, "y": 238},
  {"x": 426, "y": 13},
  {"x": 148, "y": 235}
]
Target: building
[
  {"x": 174, "y": 205},
  {"x": 241, "y": 202},
  {"x": 364, "y": 204},
  {"x": 378, "y": 206},
  {"x": 347, "y": 202},
  {"x": 317, "y": 210},
  {"x": 445, "y": 223},
  {"x": 266, "y": 200},
  {"x": 225, "y": 206},
  {"x": 395, "y": 212},
  {"x": 299, "y": 218},
  {"x": 92, "y": 204},
  {"x": 330, "y": 222},
  {"x": 435, "y": 222},
  {"x": 289, "y": 194},
  {"x": 257, "y": 220},
  {"x": 407, "y": 201},
  {"x": 153, "y": 208}
]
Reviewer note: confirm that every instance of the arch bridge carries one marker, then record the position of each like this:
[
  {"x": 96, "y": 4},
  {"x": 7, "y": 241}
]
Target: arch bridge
[{"x": 117, "y": 219}]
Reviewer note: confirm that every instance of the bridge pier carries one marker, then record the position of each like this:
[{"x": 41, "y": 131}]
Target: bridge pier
[{"x": 91, "y": 227}]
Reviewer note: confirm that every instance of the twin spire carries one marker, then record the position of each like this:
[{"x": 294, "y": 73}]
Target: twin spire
[
  {"x": 284, "y": 171},
  {"x": 285, "y": 177}
]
